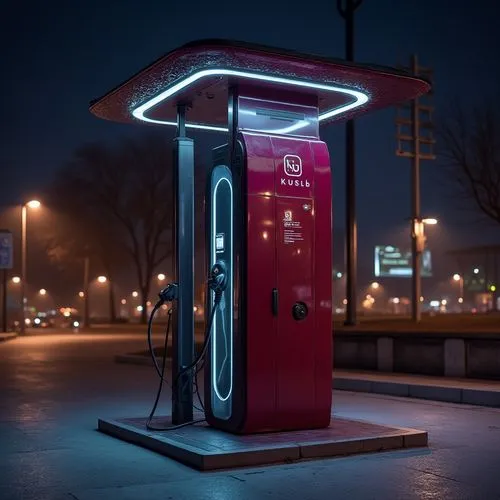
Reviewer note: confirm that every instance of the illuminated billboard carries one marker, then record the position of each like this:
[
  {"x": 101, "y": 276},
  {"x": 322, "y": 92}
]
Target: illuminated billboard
[{"x": 392, "y": 262}]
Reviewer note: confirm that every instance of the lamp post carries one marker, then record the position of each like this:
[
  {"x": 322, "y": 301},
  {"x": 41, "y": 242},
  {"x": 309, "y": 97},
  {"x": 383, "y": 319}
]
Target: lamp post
[
  {"x": 24, "y": 216},
  {"x": 347, "y": 11},
  {"x": 460, "y": 279},
  {"x": 418, "y": 246}
]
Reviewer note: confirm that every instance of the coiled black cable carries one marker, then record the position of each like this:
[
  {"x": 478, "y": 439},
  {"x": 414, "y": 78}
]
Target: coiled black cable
[{"x": 166, "y": 295}]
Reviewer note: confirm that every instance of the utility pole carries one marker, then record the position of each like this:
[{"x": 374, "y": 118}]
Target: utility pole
[
  {"x": 4, "y": 301},
  {"x": 416, "y": 141},
  {"x": 86, "y": 292},
  {"x": 351, "y": 248}
]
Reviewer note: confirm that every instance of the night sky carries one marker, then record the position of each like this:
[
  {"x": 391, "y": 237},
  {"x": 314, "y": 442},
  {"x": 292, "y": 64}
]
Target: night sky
[{"x": 57, "y": 56}]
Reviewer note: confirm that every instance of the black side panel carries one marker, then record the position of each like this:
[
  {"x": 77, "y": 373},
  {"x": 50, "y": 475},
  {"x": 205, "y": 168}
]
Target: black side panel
[{"x": 237, "y": 419}]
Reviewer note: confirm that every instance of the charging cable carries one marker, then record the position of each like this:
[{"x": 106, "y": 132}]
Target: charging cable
[{"x": 217, "y": 283}]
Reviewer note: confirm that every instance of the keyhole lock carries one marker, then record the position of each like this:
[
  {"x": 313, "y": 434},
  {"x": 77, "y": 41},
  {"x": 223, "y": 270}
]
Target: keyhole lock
[{"x": 299, "y": 311}]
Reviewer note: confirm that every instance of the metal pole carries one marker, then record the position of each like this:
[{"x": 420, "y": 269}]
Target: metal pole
[
  {"x": 496, "y": 284},
  {"x": 351, "y": 246},
  {"x": 86, "y": 291},
  {"x": 4, "y": 301},
  {"x": 24, "y": 213},
  {"x": 183, "y": 243},
  {"x": 415, "y": 204}
]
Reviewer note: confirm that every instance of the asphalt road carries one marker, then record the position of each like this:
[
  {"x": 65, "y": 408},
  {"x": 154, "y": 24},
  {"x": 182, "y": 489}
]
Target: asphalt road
[{"x": 53, "y": 388}]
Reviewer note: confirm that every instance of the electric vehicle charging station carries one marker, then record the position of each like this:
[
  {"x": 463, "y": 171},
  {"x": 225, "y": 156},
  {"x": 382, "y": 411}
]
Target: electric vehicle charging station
[{"x": 268, "y": 219}]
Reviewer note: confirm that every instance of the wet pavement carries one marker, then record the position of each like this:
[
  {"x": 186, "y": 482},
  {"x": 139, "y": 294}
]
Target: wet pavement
[{"x": 53, "y": 388}]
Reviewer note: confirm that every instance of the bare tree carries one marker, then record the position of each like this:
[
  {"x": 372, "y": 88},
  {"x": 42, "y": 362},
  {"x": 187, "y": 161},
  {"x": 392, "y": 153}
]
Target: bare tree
[
  {"x": 124, "y": 195},
  {"x": 471, "y": 148},
  {"x": 71, "y": 235}
]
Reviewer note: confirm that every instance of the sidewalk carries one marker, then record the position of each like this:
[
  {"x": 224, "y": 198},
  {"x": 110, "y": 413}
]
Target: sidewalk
[{"x": 452, "y": 390}]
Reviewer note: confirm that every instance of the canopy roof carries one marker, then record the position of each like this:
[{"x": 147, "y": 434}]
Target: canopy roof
[{"x": 200, "y": 73}]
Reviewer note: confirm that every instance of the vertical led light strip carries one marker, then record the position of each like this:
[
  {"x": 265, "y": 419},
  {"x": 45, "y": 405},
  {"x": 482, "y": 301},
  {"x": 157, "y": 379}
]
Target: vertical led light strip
[{"x": 229, "y": 305}]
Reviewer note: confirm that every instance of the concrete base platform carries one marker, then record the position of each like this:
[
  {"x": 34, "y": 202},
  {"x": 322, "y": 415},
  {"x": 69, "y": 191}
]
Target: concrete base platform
[{"x": 206, "y": 448}]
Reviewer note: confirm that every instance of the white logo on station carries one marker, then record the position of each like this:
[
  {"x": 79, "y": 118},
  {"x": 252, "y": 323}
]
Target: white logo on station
[{"x": 292, "y": 165}]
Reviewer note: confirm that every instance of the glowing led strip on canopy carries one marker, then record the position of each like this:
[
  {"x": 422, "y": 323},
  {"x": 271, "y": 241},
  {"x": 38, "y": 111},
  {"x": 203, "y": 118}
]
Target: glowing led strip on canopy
[{"x": 139, "y": 112}]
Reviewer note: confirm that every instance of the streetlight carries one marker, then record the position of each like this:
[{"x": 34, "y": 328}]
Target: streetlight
[
  {"x": 161, "y": 277},
  {"x": 135, "y": 294},
  {"x": 34, "y": 204},
  {"x": 418, "y": 246},
  {"x": 375, "y": 285},
  {"x": 42, "y": 291},
  {"x": 430, "y": 221},
  {"x": 102, "y": 279},
  {"x": 16, "y": 280}
]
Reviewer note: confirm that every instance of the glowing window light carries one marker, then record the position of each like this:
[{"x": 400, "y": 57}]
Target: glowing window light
[{"x": 138, "y": 113}]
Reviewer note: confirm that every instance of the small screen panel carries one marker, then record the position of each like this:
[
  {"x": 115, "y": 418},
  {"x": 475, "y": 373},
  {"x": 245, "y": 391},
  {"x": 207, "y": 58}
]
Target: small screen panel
[{"x": 219, "y": 242}]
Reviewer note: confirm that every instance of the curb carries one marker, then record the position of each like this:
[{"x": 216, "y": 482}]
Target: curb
[
  {"x": 7, "y": 336},
  {"x": 419, "y": 391}
]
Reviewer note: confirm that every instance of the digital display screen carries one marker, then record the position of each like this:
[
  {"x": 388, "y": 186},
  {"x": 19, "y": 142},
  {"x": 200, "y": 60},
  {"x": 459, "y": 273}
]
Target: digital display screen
[
  {"x": 219, "y": 242},
  {"x": 392, "y": 262}
]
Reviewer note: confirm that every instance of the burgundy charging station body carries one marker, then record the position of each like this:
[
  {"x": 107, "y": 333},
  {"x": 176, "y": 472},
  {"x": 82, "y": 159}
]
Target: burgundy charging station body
[
  {"x": 283, "y": 259},
  {"x": 270, "y": 367}
]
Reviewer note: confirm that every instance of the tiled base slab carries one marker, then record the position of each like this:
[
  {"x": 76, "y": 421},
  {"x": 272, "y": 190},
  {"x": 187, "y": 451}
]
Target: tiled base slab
[{"x": 206, "y": 448}]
